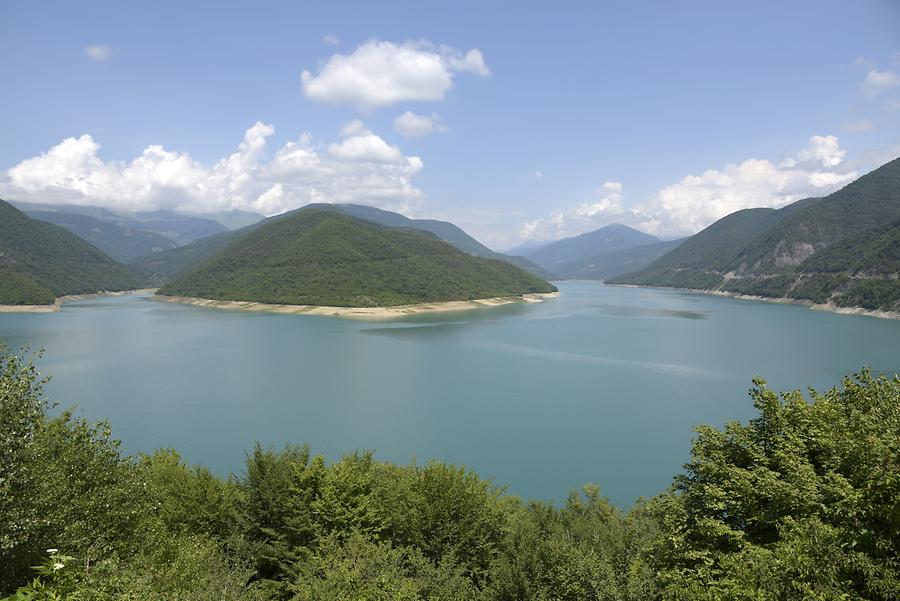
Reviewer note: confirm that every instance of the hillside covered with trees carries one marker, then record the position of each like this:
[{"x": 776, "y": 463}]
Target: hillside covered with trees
[
  {"x": 802, "y": 502},
  {"x": 322, "y": 257},
  {"x": 158, "y": 268},
  {"x": 840, "y": 249},
  {"x": 41, "y": 261}
]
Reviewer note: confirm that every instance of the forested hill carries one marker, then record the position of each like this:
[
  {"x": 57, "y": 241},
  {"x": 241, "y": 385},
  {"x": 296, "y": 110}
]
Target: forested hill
[
  {"x": 40, "y": 261},
  {"x": 323, "y": 257},
  {"x": 446, "y": 231},
  {"x": 838, "y": 249},
  {"x": 117, "y": 238},
  {"x": 159, "y": 268}
]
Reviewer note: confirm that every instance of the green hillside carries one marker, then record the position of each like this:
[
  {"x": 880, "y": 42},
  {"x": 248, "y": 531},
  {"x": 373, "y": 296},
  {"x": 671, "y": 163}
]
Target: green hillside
[
  {"x": 700, "y": 260},
  {"x": 119, "y": 239},
  {"x": 446, "y": 231},
  {"x": 322, "y": 257},
  {"x": 841, "y": 249},
  {"x": 161, "y": 267},
  {"x": 867, "y": 203},
  {"x": 41, "y": 261}
]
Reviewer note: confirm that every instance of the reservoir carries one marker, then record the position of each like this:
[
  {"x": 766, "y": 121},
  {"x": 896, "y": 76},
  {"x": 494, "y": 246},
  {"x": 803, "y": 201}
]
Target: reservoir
[{"x": 601, "y": 385}]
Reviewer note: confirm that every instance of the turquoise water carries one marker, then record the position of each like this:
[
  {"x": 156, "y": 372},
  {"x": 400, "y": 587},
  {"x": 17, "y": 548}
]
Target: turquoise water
[{"x": 601, "y": 385}]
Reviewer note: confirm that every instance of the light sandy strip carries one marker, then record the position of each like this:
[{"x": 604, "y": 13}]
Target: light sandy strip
[{"x": 359, "y": 312}]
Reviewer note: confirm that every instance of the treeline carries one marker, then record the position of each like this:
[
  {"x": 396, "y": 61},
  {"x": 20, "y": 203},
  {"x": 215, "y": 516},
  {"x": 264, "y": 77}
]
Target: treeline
[{"x": 802, "y": 502}]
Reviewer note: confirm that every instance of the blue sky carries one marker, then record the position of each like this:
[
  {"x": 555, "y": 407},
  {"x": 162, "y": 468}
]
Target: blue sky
[{"x": 529, "y": 120}]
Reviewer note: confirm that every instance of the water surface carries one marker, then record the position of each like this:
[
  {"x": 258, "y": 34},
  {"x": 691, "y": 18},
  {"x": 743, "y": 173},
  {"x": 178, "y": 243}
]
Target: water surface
[{"x": 601, "y": 385}]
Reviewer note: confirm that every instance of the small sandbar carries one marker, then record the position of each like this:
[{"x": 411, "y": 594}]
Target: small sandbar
[{"x": 373, "y": 313}]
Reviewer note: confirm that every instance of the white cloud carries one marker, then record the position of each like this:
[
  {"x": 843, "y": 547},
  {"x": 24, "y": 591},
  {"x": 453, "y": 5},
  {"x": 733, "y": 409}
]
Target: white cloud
[
  {"x": 893, "y": 105},
  {"x": 605, "y": 209},
  {"x": 360, "y": 168},
  {"x": 379, "y": 74},
  {"x": 366, "y": 147},
  {"x": 538, "y": 174},
  {"x": 698, "y": 200},
  {"x": 100, "y": 53},
  {"x": 411, "y": 125},
  {"x": 877, "y": 82},
  {"x": 331, "y": 40},
  {"x": 858, "y": 127}
]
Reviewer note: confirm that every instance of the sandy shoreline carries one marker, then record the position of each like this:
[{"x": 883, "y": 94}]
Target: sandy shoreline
[
  {"x": 782, "y": 301},
  {"x": 69, "y": 298},
  {"x": 358, "y": 312}
]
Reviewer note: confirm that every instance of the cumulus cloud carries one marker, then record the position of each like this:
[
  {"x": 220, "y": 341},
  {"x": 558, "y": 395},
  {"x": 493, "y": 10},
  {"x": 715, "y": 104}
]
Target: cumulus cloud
[
  {"x": 360, "y": 168},
  {"x": 331, "y": 40},
  {"x": 696, "y": 201},
  {"x": 411, "y": 125},
  {"x": 100, "y": 53},
  {"x": 606, "y": 208},
  {"x": 877, "y": 82},
  {"x": 379, "y": 74}
]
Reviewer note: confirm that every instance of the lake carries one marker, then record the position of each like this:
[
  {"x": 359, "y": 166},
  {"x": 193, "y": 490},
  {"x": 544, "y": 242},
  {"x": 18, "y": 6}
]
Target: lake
[{"x": 602, "y": 385}]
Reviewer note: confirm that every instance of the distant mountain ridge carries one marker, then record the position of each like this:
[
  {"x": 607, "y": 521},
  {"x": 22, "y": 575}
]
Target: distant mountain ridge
[
  {"x": 117, "y": 238},
  {"x": 840, "y": 249},
  {"x": 322, "y": 256},
  {"x": 614, "y": 237},
  {"x": 606, "y": 252},
  {"x": 160, "y": 267},
  {"x": 125, "y": 235},
  {"x": 40, "y": 261}
]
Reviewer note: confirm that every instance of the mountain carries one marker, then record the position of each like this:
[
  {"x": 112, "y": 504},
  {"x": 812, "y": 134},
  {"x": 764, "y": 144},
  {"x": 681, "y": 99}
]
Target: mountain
[
  {"x": 118, "y": 238},
  {"x": 163, "y": 266},
  {"x": 321, "y": 256},
  {"x": 177, "y": 227},
  {"x": 181, "y": 229},
  {"x": 711, "y": 250},
  {"x": 611, "y": 238},
  {"x": 841, "y": 248},
  {"x": 444, "y": 230},
  {"x": 40, "y": 261},
  {"x": 617, "y": 262},
  {"x": 530, "y": 245}
]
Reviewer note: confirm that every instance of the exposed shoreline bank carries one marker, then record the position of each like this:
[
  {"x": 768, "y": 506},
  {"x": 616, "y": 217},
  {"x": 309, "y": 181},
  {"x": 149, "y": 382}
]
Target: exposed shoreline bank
[
  {"x": 359, "y": 312},
  {"x": 782, "y": 301},
  {"x": 70, "y": 298}
]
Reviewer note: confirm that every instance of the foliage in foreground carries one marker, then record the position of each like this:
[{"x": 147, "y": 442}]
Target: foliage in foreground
[{"x": 803, "y": 502}]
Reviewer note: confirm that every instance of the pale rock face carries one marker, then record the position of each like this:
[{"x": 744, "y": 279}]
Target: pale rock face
[{"x": 799, "y": 252}]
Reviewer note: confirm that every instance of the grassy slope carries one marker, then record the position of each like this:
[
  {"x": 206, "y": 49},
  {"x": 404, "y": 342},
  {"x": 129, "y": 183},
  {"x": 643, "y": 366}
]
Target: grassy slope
[
  {"x": 49, "y": 258},
  {"x": 320, "y": 257}
]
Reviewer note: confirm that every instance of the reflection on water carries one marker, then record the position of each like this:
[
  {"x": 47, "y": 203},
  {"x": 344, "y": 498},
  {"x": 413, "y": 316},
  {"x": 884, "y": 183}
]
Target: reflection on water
[
  {"x": 416, "y": 331},
  {"x": 635, "y": 311}
]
